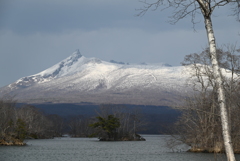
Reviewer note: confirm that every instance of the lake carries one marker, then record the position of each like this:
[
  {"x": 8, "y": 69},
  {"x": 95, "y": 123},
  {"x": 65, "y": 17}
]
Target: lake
[{"x": 90, "y": 149}]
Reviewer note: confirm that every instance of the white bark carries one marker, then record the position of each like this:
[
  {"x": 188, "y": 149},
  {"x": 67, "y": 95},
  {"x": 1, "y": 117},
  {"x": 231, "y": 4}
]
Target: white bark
[
  {"x": 221, "y": 92},
  {"x": 182, "y": 8}
]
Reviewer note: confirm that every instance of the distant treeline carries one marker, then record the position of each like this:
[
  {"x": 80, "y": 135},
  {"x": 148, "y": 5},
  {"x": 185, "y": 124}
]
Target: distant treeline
[
  {"x": 21, "y": 121},
  {"x": 158, "y": 118}
]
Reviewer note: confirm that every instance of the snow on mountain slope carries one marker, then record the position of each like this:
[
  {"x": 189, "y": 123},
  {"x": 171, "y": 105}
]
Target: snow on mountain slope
[
  {"x": 69, "y": 66},
  {"x": 80, "y": 79}
]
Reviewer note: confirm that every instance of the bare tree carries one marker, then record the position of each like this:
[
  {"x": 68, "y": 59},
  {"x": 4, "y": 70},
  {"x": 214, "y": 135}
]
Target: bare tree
[
  {"x": 37, "y": 124},
  {"x": 79, "y": 126},
  {"x": 191, "y": 8},
  {"x": 200, "y": 124},
  {"x": 7, "y": 118},
  {"x": 17, "y": 123},
  {"x": 57, "y": 124}
]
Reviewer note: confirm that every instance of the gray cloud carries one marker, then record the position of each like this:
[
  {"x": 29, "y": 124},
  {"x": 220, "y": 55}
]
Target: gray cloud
[{"x": 35, "y": 35}]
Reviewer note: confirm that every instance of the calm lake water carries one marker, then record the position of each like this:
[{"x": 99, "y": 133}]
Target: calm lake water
[{"x": 90, "y": 149}]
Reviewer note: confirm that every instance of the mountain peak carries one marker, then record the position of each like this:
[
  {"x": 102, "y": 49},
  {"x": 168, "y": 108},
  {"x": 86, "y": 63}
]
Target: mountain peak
[
  {"x": 64, "y": 66},
  {"x": 77, "y": 52},
  {"x": 74, "y": 57}
]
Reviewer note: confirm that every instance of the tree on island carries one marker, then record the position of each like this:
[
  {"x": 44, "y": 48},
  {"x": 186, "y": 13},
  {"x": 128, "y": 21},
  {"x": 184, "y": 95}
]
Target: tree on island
[
  {"x": 116, "y": 122},
  {"x": 182, "y": 9},
  {"x": 107, "y": 127}
]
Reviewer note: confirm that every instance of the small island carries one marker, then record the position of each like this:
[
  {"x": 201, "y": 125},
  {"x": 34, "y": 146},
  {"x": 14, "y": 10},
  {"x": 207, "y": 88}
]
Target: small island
[{"x": 110, "y": 129}]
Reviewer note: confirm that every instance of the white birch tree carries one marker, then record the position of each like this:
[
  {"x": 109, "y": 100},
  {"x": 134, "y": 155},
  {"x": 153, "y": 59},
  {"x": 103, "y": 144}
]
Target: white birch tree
[{"x": 183, "y": 8}]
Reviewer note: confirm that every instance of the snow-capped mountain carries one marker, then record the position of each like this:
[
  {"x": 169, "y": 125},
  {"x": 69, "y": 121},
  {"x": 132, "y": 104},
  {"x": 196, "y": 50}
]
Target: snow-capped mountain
[{"x": 79, "y": 79}]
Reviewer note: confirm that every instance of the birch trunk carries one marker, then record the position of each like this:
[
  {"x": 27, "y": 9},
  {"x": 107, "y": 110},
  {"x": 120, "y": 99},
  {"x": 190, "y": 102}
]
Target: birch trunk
[{"x": 221, "y": 93}]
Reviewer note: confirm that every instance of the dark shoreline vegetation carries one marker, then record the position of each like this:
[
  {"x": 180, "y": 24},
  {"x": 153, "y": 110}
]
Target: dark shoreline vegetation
[{"x": 46, "y": 121}]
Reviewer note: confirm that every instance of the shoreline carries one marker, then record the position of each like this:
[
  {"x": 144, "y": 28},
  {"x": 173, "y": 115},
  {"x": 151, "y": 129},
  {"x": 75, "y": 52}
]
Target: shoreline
[{"x": 14, "y": 142}]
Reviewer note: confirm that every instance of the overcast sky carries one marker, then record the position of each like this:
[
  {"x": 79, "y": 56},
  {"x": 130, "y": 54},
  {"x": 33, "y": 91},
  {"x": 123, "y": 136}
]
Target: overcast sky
[{"x": 36, "y": 34}]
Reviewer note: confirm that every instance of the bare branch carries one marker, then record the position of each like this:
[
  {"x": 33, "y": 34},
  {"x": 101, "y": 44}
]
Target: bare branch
[{"x": 184, "y": 8}]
